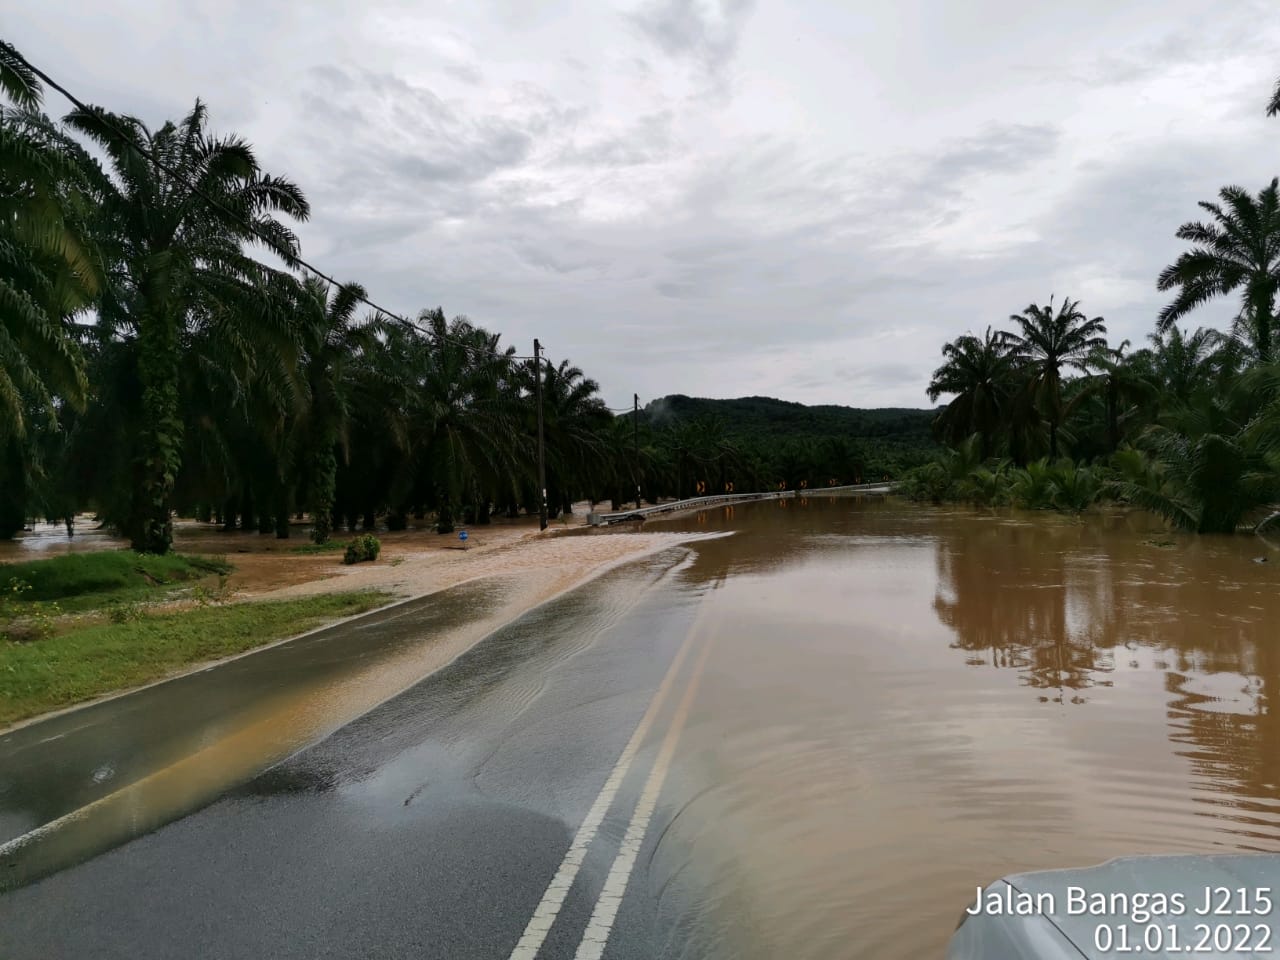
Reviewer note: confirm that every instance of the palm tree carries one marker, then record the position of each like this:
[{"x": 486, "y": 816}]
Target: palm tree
[
  {"x": 1048, "y": 342},
  {"x": 1120, "y": 382},
  {"x": 47, "y": 270},
  {"x": 1185, "y": 368},
  {"x": 979, "y": 371},
  {"x": 1238, "y": 250},
  {"x": 332, "y": 341},
  {"x": 463, "y": 425},
  {"x": 1215, "y": 462},
  {"x": 48, "y": 274},
  {"x": 575, "y": 421},
  {"x": 176, "y": 209}
]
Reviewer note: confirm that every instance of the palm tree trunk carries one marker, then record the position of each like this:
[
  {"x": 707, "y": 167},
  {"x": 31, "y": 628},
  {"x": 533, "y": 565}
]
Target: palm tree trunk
[
  {"x": 1265, "y": 325},
  {"x": 444, "y": 514},
  {"x": 229, "y": 513},
  {"x": 1113, "y": 420},
  {"x": 324, "y": 472},
  {"x": 282, "y": 509},
  {"x": 13, "y": 489},
  {"x": 151, "y": 523},
  {"x": 248, "y": 509}
]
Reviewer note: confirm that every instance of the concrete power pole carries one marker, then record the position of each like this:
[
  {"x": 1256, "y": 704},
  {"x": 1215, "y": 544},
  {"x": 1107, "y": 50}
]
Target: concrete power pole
[
  {"x": 635, "y": 400},
  {"x": 542, "y": 457}
]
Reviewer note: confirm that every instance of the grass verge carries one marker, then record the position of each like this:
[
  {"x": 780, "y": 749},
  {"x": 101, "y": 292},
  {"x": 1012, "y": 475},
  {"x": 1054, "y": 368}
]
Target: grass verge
[
  {"x": 84, "y": 581},
  {"x": 92, "y": 660},
  {"x": 329, "y": 546}
]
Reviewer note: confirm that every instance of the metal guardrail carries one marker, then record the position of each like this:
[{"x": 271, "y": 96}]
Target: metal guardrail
[
  {"x": 883, "y": 487},
  {"x": 697, "y": 503},
  {"x": 603, "y": 519}
]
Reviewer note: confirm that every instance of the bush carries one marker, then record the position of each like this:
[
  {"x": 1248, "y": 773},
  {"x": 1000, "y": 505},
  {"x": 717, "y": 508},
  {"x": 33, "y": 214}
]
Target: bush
[
  {"x": 363, "y": 547},
  {"x": 930, "y": 482},
  {"x": 124, "y": 612}
]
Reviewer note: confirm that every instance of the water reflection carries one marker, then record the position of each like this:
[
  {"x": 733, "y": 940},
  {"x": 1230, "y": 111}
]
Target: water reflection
[{"x": 1032, "y": 599}]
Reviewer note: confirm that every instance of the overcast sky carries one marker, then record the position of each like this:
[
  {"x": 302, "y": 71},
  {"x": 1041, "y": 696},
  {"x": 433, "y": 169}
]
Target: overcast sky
[{"x": 717, "y": 197}]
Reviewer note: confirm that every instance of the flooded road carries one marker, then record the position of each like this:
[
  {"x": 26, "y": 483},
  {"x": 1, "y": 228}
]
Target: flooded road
[
  {"x": 835, "y": 723},
  {"x": 906, "y": 703}
]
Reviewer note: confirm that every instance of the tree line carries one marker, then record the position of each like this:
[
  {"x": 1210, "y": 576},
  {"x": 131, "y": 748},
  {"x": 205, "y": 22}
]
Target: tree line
[
  {"x": 152, "y": 365},
  {"x": 1046, "y": 413}
]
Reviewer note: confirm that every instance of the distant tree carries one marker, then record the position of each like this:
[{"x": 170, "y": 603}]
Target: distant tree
[
  {"x": 463, "y": 427},
  {"x": 979, "y": 371},
  {"x": 575, "y": 425},
  {"x": 1049, "y": 342},
  {"x": 332, "y": 340},
  {"x": 1184, "y": 367},
  {"x": 1119, "y": 381}
]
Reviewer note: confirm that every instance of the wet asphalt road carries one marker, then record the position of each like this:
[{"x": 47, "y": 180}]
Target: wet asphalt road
[{"x": 430, "y": 827}]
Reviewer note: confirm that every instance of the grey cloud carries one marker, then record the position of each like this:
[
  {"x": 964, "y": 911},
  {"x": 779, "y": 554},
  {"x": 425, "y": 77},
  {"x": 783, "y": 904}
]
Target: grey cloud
[
  {"x": 466, "y": 72},
  {"x": 649, "y": 140},
  {"x": 490, "y": 150},
  {"x": 1148, "y": 59},
  {"x": 687, "y": 29},
  {"x": 1232, "y": 31},
  {"x": 417, "y": 151},
  {"x": 880, "y": 374},
  {"x": 543, "y": 258},
  {"x": 676, "y": 242},
  {"x": 1005, "y": 148}
]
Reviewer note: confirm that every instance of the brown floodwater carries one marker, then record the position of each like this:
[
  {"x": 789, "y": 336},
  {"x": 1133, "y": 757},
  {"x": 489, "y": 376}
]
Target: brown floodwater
[{"x": 903, "y": 703}]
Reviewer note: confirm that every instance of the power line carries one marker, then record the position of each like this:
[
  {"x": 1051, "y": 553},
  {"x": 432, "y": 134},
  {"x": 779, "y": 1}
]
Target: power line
[{"x": 105, "y": 117}]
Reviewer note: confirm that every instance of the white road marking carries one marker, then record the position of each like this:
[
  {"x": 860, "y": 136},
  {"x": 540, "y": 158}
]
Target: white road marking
[
  {"x": 596, "y": 935},
  {"x": 553, "y": 899}
]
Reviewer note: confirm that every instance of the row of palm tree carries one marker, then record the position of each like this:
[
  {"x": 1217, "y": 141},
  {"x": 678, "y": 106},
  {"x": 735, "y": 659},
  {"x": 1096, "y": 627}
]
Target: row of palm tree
[
  {"x": 1188, "y": 426},
  {"x": 152, "y": 366},
  {"x": 151, "y": 363}
]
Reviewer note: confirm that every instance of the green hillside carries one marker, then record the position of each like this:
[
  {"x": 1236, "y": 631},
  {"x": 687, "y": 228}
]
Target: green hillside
[
  {"x": 767, "y": 417},
  {"x": 790, "y": 440}
]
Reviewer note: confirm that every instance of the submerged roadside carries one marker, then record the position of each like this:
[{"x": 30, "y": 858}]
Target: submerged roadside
[
  {"x": 87, "y": 779},
  {"x": 91, "y": 620}
]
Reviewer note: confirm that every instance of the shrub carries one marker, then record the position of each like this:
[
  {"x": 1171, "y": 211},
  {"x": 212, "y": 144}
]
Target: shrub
[
  {"x": 930, "y": 482},
  {"x": 1032, "y": 486},
  {"x": 1075, "y": 488},
  {"x": 364, "y": 547},
  {"x": 124, "y": 612}
]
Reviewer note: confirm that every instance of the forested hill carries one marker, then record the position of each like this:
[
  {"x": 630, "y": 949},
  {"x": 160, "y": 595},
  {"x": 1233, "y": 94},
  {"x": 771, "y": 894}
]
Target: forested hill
[
  {"x": 890, "y": 439},
  {"x": 767, "y": 417}
]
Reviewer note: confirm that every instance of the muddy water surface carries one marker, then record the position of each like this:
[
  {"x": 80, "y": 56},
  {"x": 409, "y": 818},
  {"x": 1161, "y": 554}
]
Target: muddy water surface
[{"x": 904, "y": 703}]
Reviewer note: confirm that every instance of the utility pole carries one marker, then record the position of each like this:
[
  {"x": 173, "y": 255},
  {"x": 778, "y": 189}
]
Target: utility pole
[
  {"x": 542, "y": 459},
  {"x": 635, "y": 400}
]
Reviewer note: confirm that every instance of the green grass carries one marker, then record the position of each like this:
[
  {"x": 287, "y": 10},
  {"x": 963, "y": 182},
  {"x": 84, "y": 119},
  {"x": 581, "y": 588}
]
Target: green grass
[
  {"x": 82, "y": 581},
  {"x": 329, "y": 546},
  {"x": 95, "y": 659}
]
